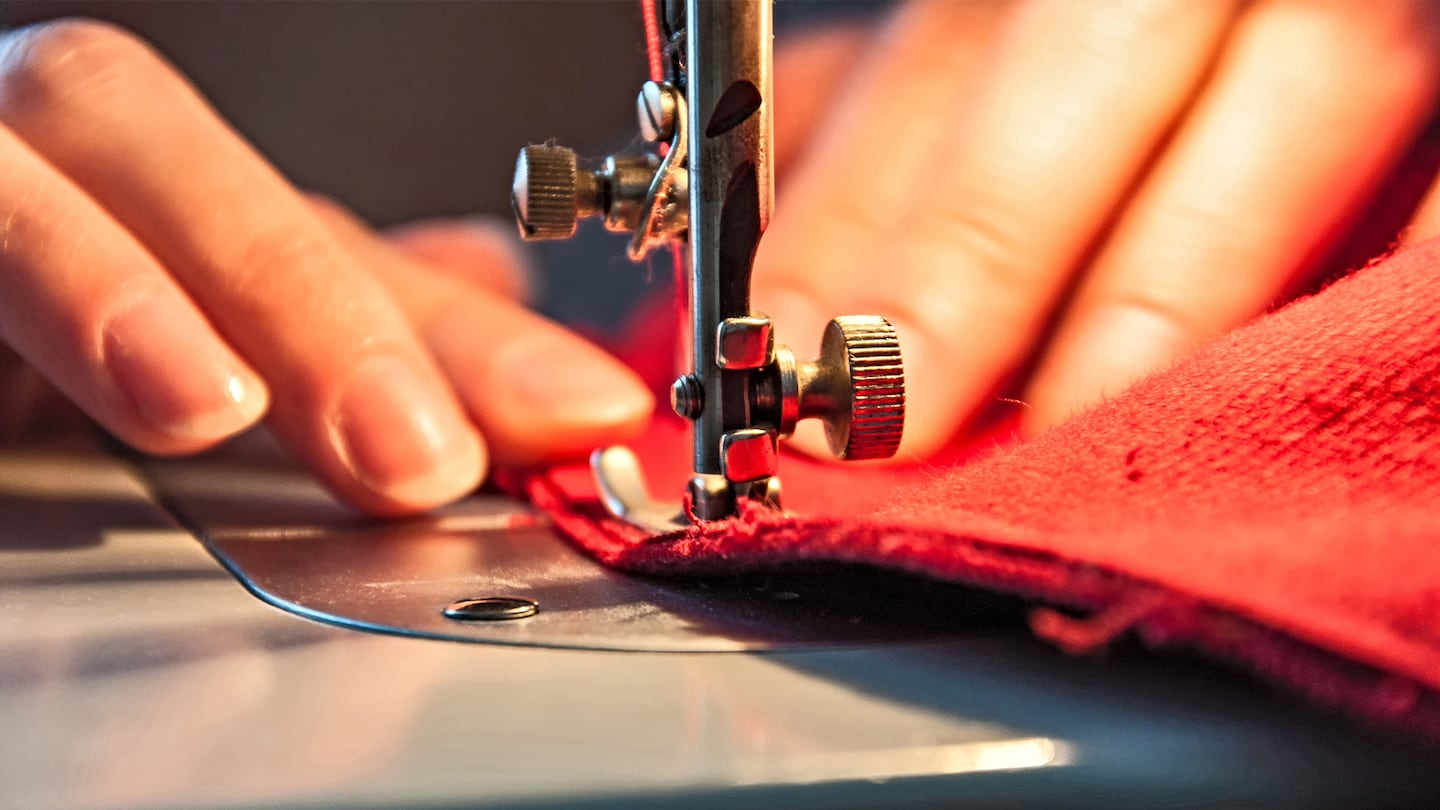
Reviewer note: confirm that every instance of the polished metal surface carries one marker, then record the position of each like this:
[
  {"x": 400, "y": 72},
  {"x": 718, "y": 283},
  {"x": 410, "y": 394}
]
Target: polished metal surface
[
  {"x": 744, "y": 343},
  {"x": 664, "y": 212},
  {"x": 400, "y": 576},
  {"x": 712, "y": 191},
  {"x": 551, "y": 193},
  {"x": 749, "y": 454},
  {"x": 728, "y": 88},
  {"x": 621, "y": 483},
  {"x": 135, "y": 672}
]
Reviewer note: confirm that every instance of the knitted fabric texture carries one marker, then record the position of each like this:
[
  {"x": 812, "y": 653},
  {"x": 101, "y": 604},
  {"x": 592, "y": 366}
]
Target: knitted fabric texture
[{"x": 1270, "y": 501}]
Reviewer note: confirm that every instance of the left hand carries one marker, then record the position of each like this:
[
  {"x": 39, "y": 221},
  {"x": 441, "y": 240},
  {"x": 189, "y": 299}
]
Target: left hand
[{"x": 460, "y": 269}]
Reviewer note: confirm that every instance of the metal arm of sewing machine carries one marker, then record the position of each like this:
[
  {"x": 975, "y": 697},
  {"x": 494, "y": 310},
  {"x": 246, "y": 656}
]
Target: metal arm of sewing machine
[{"x": 709, "y": 184}]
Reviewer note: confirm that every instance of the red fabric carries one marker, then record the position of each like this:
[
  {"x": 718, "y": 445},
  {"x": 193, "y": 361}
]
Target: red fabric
[{"x": 1271, "y": 501}]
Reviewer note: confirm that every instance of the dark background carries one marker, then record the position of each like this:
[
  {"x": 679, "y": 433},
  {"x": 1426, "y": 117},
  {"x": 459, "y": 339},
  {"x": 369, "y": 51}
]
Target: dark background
[
  {"x": 405, "y": 109},
  {"x": 400, "y": 109}
]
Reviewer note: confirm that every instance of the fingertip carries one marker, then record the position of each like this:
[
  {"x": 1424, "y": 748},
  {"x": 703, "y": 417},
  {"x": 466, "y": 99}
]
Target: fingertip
[
  {"x": 539, "y": 392},
  {"x": 183, "y": 390},
  {"x": 458, "y": 473},
  {"x": 566, "y": 398},
  {"x": 624, "y": 403},
  {"x": 402, "y": 438},
  {"x": 1100, "y": 355}
]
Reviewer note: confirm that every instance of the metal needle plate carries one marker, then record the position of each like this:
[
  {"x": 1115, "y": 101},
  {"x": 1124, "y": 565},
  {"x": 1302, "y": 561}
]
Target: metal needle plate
[{"x": 292, "y": 546}]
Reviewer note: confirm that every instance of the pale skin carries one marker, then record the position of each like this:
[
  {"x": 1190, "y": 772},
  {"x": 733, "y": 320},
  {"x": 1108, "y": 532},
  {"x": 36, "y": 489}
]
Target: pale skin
[{"x": 1099, "y": 184}]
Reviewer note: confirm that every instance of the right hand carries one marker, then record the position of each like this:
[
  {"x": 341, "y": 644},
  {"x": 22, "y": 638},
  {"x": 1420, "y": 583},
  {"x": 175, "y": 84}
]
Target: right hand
[
  {"x": 1070, "y": 194},
  {"x": 176, "y": 288}
]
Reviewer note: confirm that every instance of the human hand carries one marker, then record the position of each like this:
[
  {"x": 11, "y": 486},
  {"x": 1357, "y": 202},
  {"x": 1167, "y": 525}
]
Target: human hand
[
  {"x": 1091, "y": 186},
  {"x": 168, "y": 281}
]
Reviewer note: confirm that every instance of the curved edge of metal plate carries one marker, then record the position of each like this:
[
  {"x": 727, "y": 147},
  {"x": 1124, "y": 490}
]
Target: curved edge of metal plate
[{"x": 295, "y": 548}]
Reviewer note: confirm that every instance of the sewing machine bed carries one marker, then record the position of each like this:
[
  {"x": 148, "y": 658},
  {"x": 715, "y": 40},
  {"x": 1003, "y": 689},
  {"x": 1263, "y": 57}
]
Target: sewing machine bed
[{"x": 135, "y": 670}]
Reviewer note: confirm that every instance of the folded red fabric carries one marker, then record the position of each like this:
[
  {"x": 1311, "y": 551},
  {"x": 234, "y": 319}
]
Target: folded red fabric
[{"x": 1271, "y": 501}]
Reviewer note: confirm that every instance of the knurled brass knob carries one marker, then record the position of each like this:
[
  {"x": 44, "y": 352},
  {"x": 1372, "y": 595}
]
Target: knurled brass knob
[
  {"x": 859, "y": 390},
  {"x": 545, "y": 195}
]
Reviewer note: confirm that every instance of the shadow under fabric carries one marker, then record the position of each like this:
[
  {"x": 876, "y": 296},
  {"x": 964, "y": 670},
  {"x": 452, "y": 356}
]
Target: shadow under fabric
[{"x": 1272, "y": 501}]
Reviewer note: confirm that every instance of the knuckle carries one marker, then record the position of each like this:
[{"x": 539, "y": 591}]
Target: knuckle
[
  {"x": 333, "y": 214},
  {"x": 42, "y": 64},
  {"x": 1160, "y": 305},
  {"x": 1376, "y": 34},
  {"x": 1189, "y": 233},
  {"x": 988, "y": 244},
  {"x": 1191, "y": 267},
  {"x": 854, "y": 213},
  {"x": 291, "y": 249},
  {"x": 325, "y": 204}
]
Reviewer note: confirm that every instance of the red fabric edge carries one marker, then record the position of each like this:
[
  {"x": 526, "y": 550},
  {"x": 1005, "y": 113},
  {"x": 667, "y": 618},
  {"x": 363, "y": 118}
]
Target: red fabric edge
[{"x": 1118, "y": 603}]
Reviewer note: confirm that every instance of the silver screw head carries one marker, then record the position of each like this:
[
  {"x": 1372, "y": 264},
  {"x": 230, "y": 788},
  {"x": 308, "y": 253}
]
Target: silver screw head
[
  {"x": 655, "y": 109},
  {"x": 491, "y": 609},
  {"x": 687, "y": 397}
]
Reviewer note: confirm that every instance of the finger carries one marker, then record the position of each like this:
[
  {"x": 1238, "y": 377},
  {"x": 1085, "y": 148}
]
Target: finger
[
  {"x": 1426, "y": 223},
  {"x": 850, "y": 189},
  {"x": 480, "y": 251},
  {"x": 810, "y": 70},
  {"x": 539, "y": 392},
  {"x": 85, "y": 303},
  {"x": 997, "y": 211},
  {"x": 1310, "y": 108},
  {"x": 1079, "y": 96},
  {"x": 356, "y": 397}
]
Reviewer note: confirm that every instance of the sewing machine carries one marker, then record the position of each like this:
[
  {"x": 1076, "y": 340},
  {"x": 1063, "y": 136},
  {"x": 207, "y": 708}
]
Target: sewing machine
[
  {"x": 189, "y": 632},
  {"x": 709, "y": 189}
]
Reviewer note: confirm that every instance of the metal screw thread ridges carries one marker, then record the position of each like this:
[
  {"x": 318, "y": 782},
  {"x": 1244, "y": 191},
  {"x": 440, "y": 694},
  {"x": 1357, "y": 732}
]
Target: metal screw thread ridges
[
  {"x": 545, "y": 191},
  {"x": 878, "y": 376}
]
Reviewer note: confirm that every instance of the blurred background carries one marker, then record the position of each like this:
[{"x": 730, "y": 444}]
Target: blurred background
[
  {"x": 406, "y": 109},
  {"x": 400, "y": 109}
]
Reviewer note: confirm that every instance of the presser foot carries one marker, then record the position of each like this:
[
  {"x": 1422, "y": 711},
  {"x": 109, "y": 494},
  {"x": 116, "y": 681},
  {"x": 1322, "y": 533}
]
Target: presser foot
[{"x": 623, "y": 490}]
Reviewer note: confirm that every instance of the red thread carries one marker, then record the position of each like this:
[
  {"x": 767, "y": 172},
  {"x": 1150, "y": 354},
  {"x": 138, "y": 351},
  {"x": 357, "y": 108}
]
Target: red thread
[
  {"x": 655, "y": 57},
  {"x": 654, "y": 46}
]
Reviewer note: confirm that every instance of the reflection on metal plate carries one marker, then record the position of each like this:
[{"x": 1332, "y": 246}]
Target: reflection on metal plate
[{"x": 295, "y": 548}]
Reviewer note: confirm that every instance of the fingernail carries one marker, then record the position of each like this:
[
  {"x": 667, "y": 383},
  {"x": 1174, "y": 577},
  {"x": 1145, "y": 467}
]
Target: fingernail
[
  {"x": 182, "y": 381},
  {"x": 566, "y": 383},
  {"x": 401, "y": 437}
]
